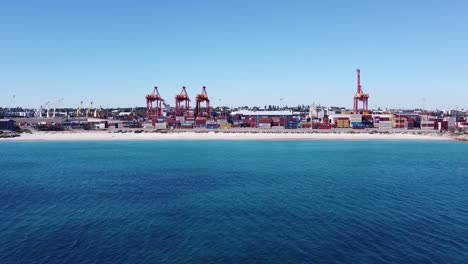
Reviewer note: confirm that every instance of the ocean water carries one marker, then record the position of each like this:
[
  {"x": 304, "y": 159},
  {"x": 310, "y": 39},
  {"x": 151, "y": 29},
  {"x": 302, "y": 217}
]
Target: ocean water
[{"x": 234, "y": 202}]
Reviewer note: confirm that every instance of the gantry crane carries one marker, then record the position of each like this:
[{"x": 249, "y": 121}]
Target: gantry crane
[
  {"x": 56, "y": 105},
  {"x": 88, "y": 111},
  {"x": 46, "y": 107},
  {"x": 10, "y": 103},
  {"x": 7, "y": 111},
  {"x": 157, "y": 109},
  {"x": 202, "y": 97},
  {"x": 99, "y": 112},
  {"x": 78, "y": 110},
  {"x": 183, "y": 96},
  {"x": 360, "y": 96}
]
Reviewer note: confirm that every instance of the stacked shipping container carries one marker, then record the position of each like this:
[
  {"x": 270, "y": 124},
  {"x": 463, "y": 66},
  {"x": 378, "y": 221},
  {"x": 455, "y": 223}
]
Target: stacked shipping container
[{"x": 342, "y": 122}]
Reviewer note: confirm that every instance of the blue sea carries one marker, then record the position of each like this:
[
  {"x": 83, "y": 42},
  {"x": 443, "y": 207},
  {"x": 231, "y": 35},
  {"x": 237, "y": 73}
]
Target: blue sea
[{"x": 234, "y": 202}]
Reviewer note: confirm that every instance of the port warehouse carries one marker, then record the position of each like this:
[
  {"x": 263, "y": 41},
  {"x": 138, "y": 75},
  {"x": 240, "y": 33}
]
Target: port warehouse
[{"x": 7, "y": 124}]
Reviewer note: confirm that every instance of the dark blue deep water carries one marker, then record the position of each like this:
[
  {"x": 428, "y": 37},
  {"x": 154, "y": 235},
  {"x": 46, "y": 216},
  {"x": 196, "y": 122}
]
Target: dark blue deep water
[{"x": 234, "y": 202}]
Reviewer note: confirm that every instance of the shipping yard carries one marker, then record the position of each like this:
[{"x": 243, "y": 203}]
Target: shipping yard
[{"x": 159, "y": 115}]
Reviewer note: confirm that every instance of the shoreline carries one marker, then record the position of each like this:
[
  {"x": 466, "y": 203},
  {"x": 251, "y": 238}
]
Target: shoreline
[{"x": 219, "y": 135}]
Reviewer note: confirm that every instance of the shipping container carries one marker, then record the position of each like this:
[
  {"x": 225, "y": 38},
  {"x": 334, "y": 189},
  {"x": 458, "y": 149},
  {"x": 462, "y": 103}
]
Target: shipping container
[
  {"x": 225, "y": 125},
  {"x": 264, "y": 121},
  {"x": 187, "y": 125},
  {"x": 343, "y": 123},
  {"x": 264, "y": 125},
  {"x": 291, "y": 124},
  {"x": 358, "y": 124},
  {"x": 161, "y": 126}
]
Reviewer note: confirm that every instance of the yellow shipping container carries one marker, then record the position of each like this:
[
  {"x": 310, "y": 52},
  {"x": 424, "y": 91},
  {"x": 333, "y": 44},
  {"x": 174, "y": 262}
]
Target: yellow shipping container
[
  {"x": 225, "y": 125},
  {"x": 342, "y": 124}
]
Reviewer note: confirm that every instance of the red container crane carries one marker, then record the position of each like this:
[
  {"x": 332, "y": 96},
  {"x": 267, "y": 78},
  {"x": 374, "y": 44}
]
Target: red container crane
[
  {"x": 155, "y": 111},
  {"x": 183, "y": 96},
  {"x": 360, "y": 96},
  {"x": 202, "y": 97}
]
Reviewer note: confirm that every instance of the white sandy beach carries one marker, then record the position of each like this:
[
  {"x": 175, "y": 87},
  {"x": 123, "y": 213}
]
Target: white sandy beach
[{"x": 104, "y": 135}]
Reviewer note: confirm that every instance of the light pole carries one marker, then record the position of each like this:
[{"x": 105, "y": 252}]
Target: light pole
[
  {"x": 281, "y": 107},
  {"x": 399, "y": 116}
]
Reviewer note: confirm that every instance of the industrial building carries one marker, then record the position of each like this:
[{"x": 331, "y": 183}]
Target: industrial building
[{"x": 7, "y": 124}]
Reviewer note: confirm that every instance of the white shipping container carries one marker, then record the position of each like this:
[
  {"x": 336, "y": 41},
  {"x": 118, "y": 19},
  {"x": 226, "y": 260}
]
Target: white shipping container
[
  {"x": 451, "y": 121},
  {"x": 161, "y": 126},
  {"x": 264, "y": 125},
  {"x": 425, "y": 122},
  {"x": 430, "y": 128}
]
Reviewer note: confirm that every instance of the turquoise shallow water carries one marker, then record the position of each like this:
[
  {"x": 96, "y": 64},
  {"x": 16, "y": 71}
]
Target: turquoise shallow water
[{"x": 234, "y": 202}]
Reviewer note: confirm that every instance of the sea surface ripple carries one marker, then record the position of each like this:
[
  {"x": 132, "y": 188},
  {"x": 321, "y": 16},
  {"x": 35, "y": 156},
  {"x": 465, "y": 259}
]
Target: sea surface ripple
[{"x": 234, "y": 202}]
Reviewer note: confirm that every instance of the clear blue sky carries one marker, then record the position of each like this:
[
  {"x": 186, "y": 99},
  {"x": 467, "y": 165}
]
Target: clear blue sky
[{"x": 245, "y": 52}]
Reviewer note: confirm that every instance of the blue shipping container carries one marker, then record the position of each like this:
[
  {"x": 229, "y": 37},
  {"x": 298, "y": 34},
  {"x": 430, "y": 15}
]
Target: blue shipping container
[
  {"x": 357, "y": 124},
  {"x": 290, "y": 125}
]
